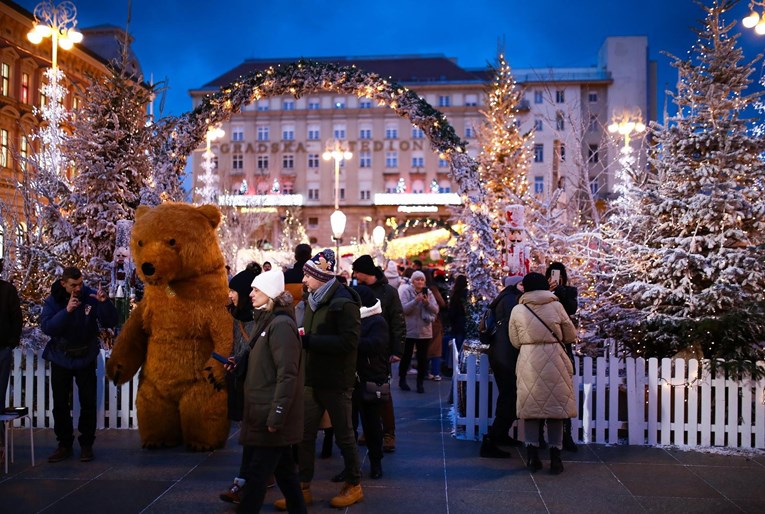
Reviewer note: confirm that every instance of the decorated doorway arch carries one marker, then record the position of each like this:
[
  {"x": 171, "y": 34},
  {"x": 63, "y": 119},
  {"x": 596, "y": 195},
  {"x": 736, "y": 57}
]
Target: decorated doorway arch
[{"x": 304, "y": 77}]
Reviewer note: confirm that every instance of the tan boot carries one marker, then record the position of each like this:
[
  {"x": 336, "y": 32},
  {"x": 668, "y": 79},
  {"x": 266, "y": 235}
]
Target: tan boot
[
  {"x": 349, "y": 495},
  {"x": 281, "y": 503}
]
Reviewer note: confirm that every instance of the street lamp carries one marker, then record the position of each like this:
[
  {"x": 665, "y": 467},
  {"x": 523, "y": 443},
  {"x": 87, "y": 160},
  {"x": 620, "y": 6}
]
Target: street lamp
[
  {"x": 378, "y": 240},
  {"x": 625, "y": 124},
  {"x": 58, "y": 23},
  {"x": 755, "y": 20},
  {"x": 336, "y": 150}
]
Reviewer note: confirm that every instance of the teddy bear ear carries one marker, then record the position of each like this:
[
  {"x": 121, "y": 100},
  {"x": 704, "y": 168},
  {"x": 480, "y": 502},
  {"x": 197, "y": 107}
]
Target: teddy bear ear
[
  {"x": 141, "y": 210},
  {"x": 210, "y": 212}
]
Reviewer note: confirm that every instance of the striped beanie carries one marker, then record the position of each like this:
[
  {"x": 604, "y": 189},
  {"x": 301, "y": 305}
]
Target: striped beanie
[{"x": 321, "y": 266}]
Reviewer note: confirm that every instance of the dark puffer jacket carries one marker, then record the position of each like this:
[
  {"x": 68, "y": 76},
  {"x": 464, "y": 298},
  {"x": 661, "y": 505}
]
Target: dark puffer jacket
[
  {"x": 393, "y": 313},
  {"x": 372, "y": 362},
  {"x": 273, "y": 389},
  {"x": 80, "y": 326},
  {"x": 332, "y": 339}
]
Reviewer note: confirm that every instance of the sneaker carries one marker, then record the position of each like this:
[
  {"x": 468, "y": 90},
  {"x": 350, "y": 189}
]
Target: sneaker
[
  {"x": 436, "y": 378},
  {"x": 349, "y": 494},
  {"x": 232, "y": 494},
  {"x": 389, "y": 443},
  {"x": 281, "y": 503},
  {"x": 61, "y": 453},
  {"x": 412, "y": 372},
  {"x": 431, "y": 376},
  {"x": 86, "y": 454}
]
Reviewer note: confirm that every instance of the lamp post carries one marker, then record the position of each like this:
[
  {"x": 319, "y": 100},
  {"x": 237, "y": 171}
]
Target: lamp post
[
  {"x": 625, "y": 124},
  {"x": 336, "y": 150},
  {"x": 57, "y": 23},
  {"x": 756, "y": 20},
  {"x": 378, "y": 240}
]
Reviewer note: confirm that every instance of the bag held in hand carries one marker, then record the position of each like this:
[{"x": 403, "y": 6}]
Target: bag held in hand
[{"x": 375, "y": 393}]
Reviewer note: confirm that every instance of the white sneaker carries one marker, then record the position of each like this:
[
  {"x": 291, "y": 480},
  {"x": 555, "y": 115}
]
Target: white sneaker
[
  {"x": 436, "y": 378},
  {"x": 411, "y": 372}
]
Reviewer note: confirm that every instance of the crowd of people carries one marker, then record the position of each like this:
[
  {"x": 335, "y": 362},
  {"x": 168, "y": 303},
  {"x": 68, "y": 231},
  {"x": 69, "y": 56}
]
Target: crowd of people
[{"x": 313, "y": 348}]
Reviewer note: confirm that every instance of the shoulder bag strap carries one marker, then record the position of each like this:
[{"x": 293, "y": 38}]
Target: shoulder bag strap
[{"x": 547, "y": 327}]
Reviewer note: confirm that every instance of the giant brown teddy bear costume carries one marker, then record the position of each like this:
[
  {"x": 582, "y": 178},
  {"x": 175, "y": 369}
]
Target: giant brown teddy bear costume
[{"x": 172, "y": 332}]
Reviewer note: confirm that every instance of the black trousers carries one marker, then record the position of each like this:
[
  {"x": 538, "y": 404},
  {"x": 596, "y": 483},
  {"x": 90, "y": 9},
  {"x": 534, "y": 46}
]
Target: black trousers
[
  {"x": 507, "y": 394},
  {"x": 422, "y": 358},
  {"x": 371, "y": 422},
  {"x": 61, "y": 385},
  {"x": 265, "y": 461}
]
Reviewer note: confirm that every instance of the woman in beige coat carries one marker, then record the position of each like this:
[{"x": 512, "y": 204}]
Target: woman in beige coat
[{"x": 538, "y": 327}]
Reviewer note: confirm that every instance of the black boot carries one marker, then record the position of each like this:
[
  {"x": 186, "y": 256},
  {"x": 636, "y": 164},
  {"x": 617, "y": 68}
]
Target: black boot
[
  {"x": 403, "y": 385},
  {"x": 420, "y": 385},
  {"x": 489, "y": 450},
  {"x": 556, "y": 466},
  {"x": 375, "y": 469},
  {"x": 568, "y": 442},
  {"x": 532, "y": 459}
]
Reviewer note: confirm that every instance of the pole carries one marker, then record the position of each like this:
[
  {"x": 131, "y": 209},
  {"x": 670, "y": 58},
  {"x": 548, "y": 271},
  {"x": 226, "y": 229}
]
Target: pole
[{"x": 337, "y": 182}]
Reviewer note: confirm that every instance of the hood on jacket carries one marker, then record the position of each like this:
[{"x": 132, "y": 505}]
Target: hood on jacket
[
  {"x": 538, "y": 297},
  {"x": 371, "y": 311}
]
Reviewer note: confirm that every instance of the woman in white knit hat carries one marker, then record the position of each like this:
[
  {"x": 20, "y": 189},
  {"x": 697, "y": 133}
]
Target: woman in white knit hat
[{"x": 273, "y": 392}]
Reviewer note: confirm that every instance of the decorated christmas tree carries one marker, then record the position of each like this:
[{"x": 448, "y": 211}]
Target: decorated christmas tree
[
  {"x": 692, "y": 269},
  {"x": 110, "y": 148},
  {"x": 293, "y": 232}
]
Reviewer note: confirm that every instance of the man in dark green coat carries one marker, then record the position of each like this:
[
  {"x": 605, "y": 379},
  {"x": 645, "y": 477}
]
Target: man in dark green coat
[{"x": 332, "y": 326}]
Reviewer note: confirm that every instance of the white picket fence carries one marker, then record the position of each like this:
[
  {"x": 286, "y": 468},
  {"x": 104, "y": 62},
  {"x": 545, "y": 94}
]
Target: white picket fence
[
  {"x": 642, "y": 402},
  {"x": 30, "y": 387}
]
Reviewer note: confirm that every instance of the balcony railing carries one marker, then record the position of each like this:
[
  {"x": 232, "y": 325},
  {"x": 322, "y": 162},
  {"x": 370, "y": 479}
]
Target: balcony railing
[{"x": 275, "y": 200}]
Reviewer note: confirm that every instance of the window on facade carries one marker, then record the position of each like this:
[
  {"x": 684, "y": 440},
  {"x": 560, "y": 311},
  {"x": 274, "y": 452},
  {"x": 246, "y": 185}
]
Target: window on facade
[
  {"x": 391, "y": 132},
  {"x": 288, "y": 161},
  {"x": 263, "y": 133},
  {"x": 339, "y": 103},
  {"x": 444, "y": 187},
  {"x": 262, "y": 162},
  {"x": 313, "y": 222},
  {"x": 418, "y": 133},
  {"x": 594, "y": 124},
  {"x": 562, "y": 152},
  {"x": 592, "y": 96},
  {"x": 594, "y": 186},
  {"x": 313, "y": 194},
  {"x": 341, "y": 193},
  {"x": 391, "y": 159},
  {"x": 365, "y": 160},
  {"x": 288, "y": 133},
  {"x": 469, "y": 131},
  {"x": 5, "y": 79},
  {"x": 25, "y": 88},
  {"x": 288, "y": 105},
  {"x": 339, "y": 132},
  {"x": 443, "y": 163},
  {"x": 23, "y": 151},
  {"x": 314, "y": 104},
  {"x": 592, "y": 153},
  {"x": 560, "y": 97},
  {"x": 314, "y": 134},
  {"x": 237, "y": 133},
  {"x": 288, "y": 188},
  {"x": 365, "y": 133},
  {"x": 444, "y": 101},
  {"x": 471, "y": 100},
  {"x": 539, "y": 185},
  {"x": 560, "y": 123},
  {"x": 538, "y": 96},
  {"x": 538, "y": 126},
  {"x": 418, "y": 161},
  {"x": 263, "y": 104},
  {"x": 539, "y": 152},
  {"x": 4, "y": 157},
  {"x": 365, "y": 195},
  {"x": 365, "y": 103},
  {"x": 237, "y": 161},
  {"x": 313, "y": 160},
  {"x": 215, "y": 162}
]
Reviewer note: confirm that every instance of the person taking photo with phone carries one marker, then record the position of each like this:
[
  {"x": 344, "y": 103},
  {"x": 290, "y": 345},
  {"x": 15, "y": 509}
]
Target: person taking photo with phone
[{"x": 420, "y": 310}]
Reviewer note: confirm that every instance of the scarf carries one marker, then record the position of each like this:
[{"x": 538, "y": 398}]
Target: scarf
[{"x": 317, "y": 297}]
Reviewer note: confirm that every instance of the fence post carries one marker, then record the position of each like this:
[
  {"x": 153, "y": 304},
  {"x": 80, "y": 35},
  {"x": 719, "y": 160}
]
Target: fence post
[{"x": 634, "y": 407}]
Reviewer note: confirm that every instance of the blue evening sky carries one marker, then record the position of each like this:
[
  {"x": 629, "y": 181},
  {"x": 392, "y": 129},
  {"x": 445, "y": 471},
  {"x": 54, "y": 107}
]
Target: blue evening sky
[{"x": 190, "y": 42}]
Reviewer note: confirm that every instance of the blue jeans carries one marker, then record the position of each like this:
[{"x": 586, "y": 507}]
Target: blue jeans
[
  {"x": 6, "y": 358},
  {"x": 435, "y": 365}
]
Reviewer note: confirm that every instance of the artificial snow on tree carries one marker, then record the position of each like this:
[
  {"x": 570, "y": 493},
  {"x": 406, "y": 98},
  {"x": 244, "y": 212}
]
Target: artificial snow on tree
[
  {"x": 110, "y": 148},
  {"x": 293, "y": 232},
  {"x": 692, "y": 273}
]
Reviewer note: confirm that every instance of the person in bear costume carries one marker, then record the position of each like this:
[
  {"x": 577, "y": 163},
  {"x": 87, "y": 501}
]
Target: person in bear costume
[{"x": 174, "y": 329}]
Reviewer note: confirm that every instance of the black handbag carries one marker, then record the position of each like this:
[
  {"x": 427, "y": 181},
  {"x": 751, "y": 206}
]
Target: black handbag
[{"x": 375, "y": 393}]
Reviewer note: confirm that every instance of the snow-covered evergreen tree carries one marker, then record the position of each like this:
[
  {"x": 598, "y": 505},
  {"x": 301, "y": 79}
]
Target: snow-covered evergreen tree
[
  {"x": 293, "y": 231},
  {"x": 694, "y": 273},
  {"x": 110, "y": 148}
]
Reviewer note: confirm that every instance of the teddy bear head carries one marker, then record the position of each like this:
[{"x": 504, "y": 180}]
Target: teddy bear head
[{"x": 175, "y": 241}]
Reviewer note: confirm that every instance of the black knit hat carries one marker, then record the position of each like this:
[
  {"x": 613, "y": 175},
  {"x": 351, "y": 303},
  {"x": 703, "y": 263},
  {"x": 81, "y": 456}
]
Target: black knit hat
[
  {"x": 366, "y": 265},
  {"x": 368, "y": 298},
  {"x": 241, "y": 283}
]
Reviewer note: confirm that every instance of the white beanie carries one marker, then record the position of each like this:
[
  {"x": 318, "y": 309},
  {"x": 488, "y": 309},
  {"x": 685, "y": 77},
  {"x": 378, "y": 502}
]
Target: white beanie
[{"x": 270, "y": 282}]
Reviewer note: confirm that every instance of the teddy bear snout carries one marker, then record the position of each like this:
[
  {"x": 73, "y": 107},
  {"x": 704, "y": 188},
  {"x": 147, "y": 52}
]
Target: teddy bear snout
[{"x": 148, "y": 269}]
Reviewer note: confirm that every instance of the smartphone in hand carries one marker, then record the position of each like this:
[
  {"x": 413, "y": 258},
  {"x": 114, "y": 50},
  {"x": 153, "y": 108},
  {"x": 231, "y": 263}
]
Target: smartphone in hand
[{"x": 555, "y": 275}]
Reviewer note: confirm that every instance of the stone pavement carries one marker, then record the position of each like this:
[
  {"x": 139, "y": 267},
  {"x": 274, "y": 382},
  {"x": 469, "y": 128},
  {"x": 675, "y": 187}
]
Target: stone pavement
[{"x": 430, "y": 472}]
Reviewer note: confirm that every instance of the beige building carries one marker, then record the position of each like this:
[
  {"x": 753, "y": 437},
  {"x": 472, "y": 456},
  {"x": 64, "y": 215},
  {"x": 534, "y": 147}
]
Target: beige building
[{"x": 271, "y": 154}]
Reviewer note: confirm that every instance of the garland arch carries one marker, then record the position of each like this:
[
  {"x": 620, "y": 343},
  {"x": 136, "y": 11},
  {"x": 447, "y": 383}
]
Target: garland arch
[{"x": 305, "y": 77}]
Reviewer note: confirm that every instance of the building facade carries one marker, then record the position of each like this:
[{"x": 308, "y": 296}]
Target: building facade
[{"x": 271, "y": 154}]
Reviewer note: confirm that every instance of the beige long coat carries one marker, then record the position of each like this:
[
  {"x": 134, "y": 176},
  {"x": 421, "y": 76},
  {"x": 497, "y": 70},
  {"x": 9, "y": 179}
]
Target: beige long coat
[{"x": 544, "y": 371}]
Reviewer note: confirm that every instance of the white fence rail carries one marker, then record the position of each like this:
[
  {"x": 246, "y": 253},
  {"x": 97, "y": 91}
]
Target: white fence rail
[
  {"x": 30, "y": 387},
  {"x": 645, "y": 402}
]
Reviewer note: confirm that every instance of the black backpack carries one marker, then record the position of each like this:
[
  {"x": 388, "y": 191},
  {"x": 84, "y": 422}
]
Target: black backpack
[{"x": 487, "y": 326}]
